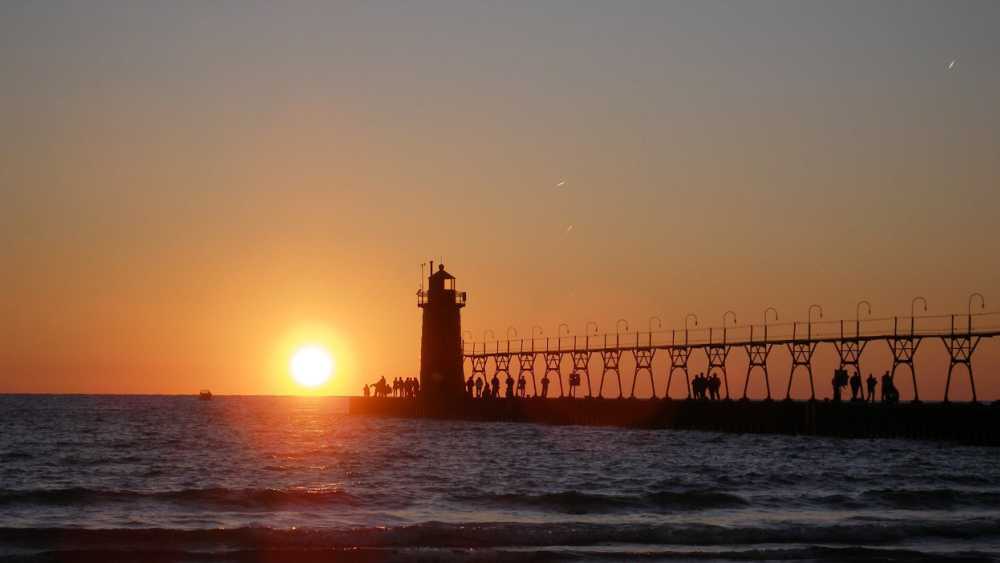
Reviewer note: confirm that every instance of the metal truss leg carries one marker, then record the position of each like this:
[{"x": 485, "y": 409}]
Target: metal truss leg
[
  {"x": 767, "y": 381},
  {"x": 643, "y": 362},
  {"x": 611, "y": 361}
]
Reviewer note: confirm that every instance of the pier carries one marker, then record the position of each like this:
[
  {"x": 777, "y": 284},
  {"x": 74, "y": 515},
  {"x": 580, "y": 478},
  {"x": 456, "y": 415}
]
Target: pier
[
  {"x": 967, "y": 423},
  {"x": 554, "y": 377}
]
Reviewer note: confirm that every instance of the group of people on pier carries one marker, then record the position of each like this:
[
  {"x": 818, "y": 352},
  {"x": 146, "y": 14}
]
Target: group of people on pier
[
  {"x": 706, "y": 386},
  {"x": 479, "y": 389},
  {"x": 400, "y": 387},
  {"x": 890, "y": 394}
]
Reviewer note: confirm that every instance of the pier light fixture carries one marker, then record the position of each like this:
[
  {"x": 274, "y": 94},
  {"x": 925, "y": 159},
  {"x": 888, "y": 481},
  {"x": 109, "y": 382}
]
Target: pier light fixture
[
  {"x": 771, "y": 310},
  {"x": 857, "y": 309},
  {"x": 913, "y": 314},
  {"x": 726, "y": 314},
  {"x": 689, "y": 317},
  {"x": 817, "y": 307},
  {"x": 857, "y": 317},
  {"x": 982, "y": 301},
  {"x": 659, "y": 323},
  {"x": 618, "y": 325}
]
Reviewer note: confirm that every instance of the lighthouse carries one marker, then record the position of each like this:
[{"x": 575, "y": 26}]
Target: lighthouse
[{"x": 441, "y": 372}]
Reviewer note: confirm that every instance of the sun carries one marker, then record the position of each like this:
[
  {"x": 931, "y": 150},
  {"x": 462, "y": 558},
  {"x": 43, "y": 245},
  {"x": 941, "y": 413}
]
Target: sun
[{"x": 311, "y": 365}]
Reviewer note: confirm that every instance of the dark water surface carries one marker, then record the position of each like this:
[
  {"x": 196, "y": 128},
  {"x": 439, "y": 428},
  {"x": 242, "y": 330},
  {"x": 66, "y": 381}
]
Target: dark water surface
[{"x": 102, "y": 477}]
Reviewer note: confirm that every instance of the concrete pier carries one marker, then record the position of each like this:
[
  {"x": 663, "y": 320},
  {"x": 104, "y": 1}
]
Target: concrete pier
[{"x": 968, "y": 423}]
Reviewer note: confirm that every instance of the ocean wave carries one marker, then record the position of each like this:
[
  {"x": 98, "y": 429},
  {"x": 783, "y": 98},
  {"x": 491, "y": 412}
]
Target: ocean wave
[
  {"x": 231, "y": 499},
  {"x": 574, "y": 502},
  {"x": 932, "y": 499},
  {"x": 508, "y": 535},
  {"x": 894, "y": 499}
]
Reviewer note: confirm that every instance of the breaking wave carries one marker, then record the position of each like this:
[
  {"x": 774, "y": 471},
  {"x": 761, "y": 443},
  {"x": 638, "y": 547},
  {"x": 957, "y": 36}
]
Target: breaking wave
[{"x": 573, "y": 502}]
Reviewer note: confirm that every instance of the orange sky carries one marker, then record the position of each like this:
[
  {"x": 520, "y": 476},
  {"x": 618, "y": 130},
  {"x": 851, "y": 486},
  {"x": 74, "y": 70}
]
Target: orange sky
[{"x": 190, "y": 191}]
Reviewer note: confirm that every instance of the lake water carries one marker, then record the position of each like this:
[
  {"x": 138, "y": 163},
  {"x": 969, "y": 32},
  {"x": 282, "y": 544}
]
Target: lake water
[{"x": 175, "y": 478}]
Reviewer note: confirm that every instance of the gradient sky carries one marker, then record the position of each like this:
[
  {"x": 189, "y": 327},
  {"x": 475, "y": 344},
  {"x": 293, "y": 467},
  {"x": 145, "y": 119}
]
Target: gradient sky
[{"x": 191, "y": 189}]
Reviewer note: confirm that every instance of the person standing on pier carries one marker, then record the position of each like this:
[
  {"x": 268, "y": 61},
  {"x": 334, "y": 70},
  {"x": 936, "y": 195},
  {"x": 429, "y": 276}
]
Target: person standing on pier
[
  {"x": 856, "y": 387},
  {"x": 510, "y": 386},
  {"x": 872, "y": 383},
  {"x": 522, "y": 385},
  {"x": 545, "y": 386},
  {"x": 469, "y": 384},
  {"x": 839, "y": 382},
  {"x": 495, "y": 386},
  {"x": 367, "y": 391},
  {"x": 886, "y": 384},
  {"x": 479, "y": 387},
  {"x": 714, "y": 385}
]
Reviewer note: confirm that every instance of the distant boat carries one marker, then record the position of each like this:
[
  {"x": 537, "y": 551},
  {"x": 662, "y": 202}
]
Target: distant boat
[{"x": 205, "y": 395}]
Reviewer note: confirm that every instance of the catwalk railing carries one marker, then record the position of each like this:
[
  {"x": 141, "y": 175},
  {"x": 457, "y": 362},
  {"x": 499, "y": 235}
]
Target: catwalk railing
[{"x": 960, "y": 335}]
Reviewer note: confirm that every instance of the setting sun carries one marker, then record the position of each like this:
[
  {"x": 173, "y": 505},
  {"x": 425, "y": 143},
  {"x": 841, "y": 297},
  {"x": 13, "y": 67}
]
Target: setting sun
[{"x": 311, "y": 365}]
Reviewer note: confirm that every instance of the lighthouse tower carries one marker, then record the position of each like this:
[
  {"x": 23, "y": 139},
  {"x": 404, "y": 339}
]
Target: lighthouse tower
[{"x": 441, "y": 373}]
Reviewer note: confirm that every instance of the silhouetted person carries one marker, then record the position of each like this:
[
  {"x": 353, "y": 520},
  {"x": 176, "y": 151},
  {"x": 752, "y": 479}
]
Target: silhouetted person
[
  {"x": 522, "y": 385},
  {"x": 416, "y": 387},
  {"x": 856, "y": 394},
  {"x": 469, "y": 384},
  {"x": 479, "y": 386},
  {"x": 368, "y": 392},
  {"x": 839, "y": 382},
  {"x": 574, "y": 382},
  {"x": 714, "y": 384},
  {"x": 892, "y": 395},
  {"x": 495, "y": 385},
  {"x": 487, "y": 392},
  {"x": 886, "y": 384},
  {"x": 872, "y": 383},
  {"x": 545, "y": 386},
  {"x": 510, "y": 387}
]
